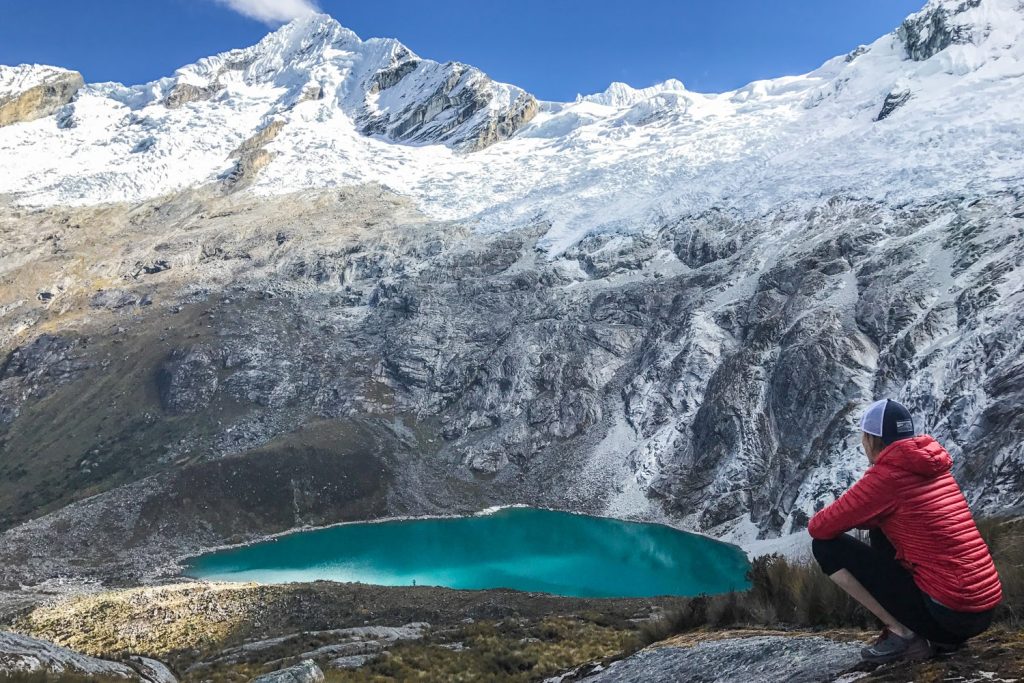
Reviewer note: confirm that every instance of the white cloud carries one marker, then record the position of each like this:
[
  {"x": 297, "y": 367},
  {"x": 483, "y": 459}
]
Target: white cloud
[{"x": 272, "y": 11}]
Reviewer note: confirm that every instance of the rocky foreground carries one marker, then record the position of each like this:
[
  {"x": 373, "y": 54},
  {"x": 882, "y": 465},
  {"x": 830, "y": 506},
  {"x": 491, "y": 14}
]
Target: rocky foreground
[{"x": 311, "y": 632}]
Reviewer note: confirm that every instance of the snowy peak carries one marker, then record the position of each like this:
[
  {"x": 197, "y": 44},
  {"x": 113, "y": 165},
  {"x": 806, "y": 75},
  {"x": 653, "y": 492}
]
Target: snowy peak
[
  {"x": 379, "y": 84},
  {"x": 297, "y": 47},
  {"x": 622, "y": 95},
  {"x": 14, "y": 80},
  {"x": 287, "y": 59},
  {"x": 303, "y": 41}
]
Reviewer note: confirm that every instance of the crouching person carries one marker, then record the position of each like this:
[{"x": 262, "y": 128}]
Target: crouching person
[{"x": 927, "y": 574}]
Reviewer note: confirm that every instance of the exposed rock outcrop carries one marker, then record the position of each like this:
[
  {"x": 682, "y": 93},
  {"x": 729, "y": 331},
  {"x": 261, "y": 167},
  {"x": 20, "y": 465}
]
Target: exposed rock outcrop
[
  {"x": 935, "y": 28},
  {"x": 344, "y": 648},
  {"x": 187, "y": 380},
  {"x": 23, "y": 654},
  {"x": 30, "y": 92},
  {"x": 251, "y": 157},
  {"x": 304, "y": 672},
  {"x": 893, "y": 101},
  {"x": 766, "y": 659},
  {"x": 151, "y": 670},
  {"x": 456, "y": 104},
  {"x": 34, "y": 370},
  {"x": 183, "y": 93}
]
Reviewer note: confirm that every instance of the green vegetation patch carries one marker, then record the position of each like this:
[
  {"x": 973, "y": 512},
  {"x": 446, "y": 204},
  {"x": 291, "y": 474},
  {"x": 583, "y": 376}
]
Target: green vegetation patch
[{"x": 506, "y": 651}]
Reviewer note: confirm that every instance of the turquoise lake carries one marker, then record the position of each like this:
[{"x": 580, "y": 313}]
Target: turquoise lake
[{"x": 521, "y": 548}]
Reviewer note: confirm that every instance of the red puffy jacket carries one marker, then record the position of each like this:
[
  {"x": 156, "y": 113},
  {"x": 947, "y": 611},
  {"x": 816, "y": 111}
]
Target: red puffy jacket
[{"x": 910, "y": 493}]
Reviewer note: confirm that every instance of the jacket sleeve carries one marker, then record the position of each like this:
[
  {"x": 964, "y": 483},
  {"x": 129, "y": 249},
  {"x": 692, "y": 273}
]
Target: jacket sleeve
[{"x": 870, "y": 498}]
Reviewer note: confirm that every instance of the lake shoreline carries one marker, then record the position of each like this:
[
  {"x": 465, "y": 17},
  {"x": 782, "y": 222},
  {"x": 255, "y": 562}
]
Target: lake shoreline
[{"x": 518, "y": 547}]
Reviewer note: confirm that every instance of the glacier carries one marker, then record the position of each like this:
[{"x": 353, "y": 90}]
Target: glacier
[{"x": 615, "y": 161}]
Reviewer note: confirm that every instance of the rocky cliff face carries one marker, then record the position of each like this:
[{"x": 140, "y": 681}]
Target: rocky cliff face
[
  {"x": 939, "y": 25},
  {"x": 30, "y": 92},
  {"x": 456, "y": 104},
  {"x": 686, "y": 374}
]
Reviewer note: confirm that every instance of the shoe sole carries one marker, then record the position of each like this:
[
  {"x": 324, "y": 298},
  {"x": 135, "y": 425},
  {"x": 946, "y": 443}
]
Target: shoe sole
[{"x": 910, "y": 654}]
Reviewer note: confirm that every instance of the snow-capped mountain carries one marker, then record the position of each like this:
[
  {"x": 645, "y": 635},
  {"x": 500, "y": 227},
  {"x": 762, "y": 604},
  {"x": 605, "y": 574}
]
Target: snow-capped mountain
[
  {"x": 949, "y": 77},
  {"x": 121, "y": 142},
  {"x": 652, "y": 302}
]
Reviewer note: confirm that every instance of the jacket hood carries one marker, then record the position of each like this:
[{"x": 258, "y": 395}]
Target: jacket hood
[{"x": 919, "y": 454}]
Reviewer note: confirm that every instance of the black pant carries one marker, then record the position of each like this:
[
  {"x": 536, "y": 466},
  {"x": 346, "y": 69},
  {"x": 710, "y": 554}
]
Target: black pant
[{"x": 891, "y": 584}]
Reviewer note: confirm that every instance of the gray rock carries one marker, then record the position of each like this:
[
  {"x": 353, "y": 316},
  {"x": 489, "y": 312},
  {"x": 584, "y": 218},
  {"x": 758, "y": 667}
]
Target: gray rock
[
  {"x": 34, "y": 370},
  {"x": 152, "y": 670},
  {"x": 893, "y": 101},
  {"x": 113, "y": 299},
  {"x": 19, "y": 653},
  {"x": 766, "y": 659},
  {"x": 358, "y": 647},
  {"x": 183, "y": 93},
  {"x": 350, "y": 662},
  {"x": 305, "y": 672},
  {"x": 187, "y": 380},
  {"x": 349, "y": 642},
  {"x": 935, "y": 28}
]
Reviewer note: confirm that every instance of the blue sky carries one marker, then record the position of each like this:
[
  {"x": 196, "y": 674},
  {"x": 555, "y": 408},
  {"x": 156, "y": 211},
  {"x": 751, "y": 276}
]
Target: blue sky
[{"x": 553, "y": 48}]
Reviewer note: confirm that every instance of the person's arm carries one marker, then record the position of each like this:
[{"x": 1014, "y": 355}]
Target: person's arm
[{"x": 871, "y": 497}]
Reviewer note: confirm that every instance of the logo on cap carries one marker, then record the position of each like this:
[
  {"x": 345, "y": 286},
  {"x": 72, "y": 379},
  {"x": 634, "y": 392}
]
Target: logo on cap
[{"x": 904, "y": 426}]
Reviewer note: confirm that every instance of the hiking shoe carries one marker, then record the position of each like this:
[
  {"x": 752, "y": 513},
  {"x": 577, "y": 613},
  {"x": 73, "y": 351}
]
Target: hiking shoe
[
  {"x": 891, "y": 647},
  {"x": 881, "y": 636}
]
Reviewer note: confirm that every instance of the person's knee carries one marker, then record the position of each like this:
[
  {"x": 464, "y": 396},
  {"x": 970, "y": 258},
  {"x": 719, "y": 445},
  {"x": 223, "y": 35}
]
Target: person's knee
[
  {"x": 825, "y": 554},
  {"x": 819, "y": 548},
  {"x": 824, "y": 548}
]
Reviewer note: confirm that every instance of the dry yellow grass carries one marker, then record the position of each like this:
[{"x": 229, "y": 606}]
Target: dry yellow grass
[{"x": 157, "y": 621}]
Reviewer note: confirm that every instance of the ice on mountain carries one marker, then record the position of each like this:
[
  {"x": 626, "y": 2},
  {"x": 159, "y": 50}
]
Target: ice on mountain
[
  {"x": 618, "y": 160},
  {"x": 622, "y": 95}
]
